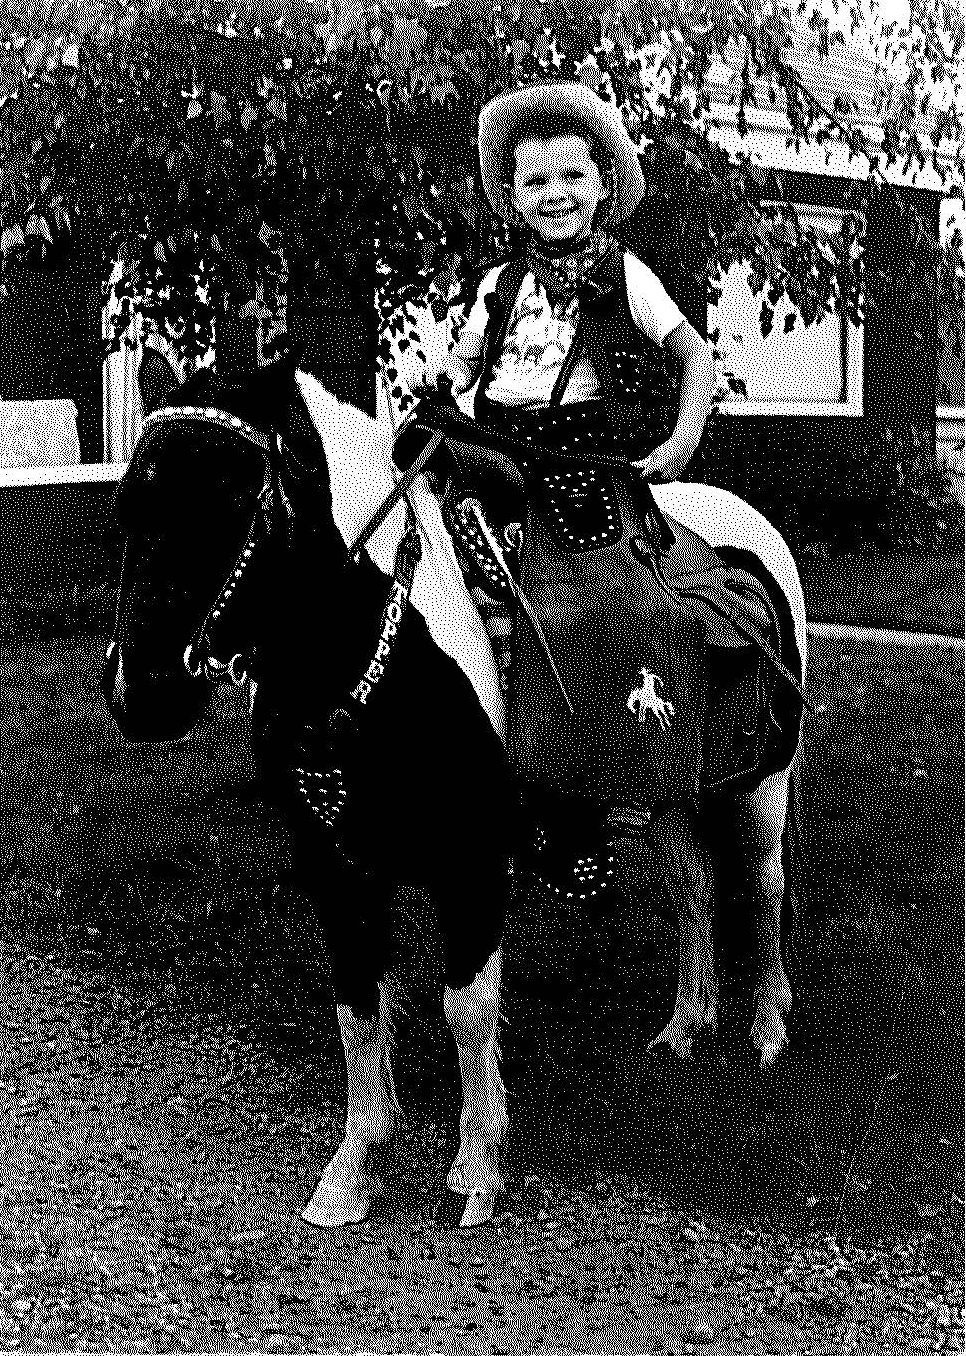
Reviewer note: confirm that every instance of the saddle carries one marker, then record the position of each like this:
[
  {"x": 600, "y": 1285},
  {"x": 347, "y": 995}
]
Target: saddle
[{"x": 622, "y": 591}]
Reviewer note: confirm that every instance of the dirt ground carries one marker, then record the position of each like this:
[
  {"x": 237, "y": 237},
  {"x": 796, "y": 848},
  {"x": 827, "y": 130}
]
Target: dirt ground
[{"x": 171, "y": 1079}]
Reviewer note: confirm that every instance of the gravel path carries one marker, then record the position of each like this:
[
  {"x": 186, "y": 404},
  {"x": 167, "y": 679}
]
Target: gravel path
[{"x": 156, "y": 1156}]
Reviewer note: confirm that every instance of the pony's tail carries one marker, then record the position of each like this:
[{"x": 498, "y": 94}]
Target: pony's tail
[{"x": 793, "y": 855}]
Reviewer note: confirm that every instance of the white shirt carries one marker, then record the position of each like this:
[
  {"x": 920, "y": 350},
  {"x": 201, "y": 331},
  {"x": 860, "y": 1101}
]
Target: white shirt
[{"x": 539, "y": 335}]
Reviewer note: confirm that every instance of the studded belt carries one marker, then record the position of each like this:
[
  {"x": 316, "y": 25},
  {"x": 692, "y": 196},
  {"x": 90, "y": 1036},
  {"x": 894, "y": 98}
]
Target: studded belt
[{"x": 577, "y": 431}]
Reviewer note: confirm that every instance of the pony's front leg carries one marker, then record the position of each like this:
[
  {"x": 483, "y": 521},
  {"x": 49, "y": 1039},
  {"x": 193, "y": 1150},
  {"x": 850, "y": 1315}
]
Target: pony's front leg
[
  {"x": 762, "y": 815},
  {"x": 348, "y": 1185},
  {"x": 473, "y": 1013},
  {"x": 686, "y": 869}
]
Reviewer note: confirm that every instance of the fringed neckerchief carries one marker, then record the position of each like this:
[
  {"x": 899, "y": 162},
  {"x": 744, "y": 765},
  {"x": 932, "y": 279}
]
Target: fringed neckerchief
[{"x": 562, "y": 275}]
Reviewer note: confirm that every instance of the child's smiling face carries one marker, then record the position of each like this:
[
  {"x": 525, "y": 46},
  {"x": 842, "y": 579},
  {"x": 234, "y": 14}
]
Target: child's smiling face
[{"x": 557, "y": 188}]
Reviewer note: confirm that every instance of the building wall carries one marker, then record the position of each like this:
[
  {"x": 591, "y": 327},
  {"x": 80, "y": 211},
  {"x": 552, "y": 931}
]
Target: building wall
[{"x": 831, "y": 469}]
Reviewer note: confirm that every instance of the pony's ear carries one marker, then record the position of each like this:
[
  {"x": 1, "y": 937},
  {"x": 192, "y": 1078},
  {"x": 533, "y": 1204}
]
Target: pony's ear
[{"x": 156, "y": 380}]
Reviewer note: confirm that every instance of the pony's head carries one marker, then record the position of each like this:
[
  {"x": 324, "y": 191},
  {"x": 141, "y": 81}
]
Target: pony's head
[{"x": 185, "y": 508}]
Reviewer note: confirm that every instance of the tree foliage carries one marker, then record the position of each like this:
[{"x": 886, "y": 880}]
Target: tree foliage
[{"x": 230, "y": 151}]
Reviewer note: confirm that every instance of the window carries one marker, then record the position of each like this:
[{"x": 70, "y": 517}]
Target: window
[{"x": 813, "y": 369}]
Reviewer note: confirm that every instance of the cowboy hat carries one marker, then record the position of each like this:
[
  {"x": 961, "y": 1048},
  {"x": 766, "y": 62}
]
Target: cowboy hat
[{"x": 503, "y": 118}]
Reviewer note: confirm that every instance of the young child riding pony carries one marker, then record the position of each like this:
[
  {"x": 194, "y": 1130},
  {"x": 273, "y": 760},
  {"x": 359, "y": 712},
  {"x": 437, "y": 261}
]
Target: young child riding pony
[
  {"x": 563, "y": 343},
  {"x": 557, "y": 161}
]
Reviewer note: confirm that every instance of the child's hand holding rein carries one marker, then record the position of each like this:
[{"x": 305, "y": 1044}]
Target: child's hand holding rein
[
  {"x": 460, "y": 373},
  {"x": 462, "y": 367}
]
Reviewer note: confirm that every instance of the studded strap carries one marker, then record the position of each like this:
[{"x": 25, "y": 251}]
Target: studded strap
[
  {"x": 199, "y": 656},
  {"x": 208, "y": 414}
]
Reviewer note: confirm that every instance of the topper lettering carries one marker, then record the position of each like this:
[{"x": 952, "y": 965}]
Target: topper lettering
[{"x": 390, "y": 626}]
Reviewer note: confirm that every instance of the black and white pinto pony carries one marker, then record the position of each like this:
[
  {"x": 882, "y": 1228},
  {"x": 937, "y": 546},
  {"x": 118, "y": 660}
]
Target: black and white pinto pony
[{"x": 236, "y": 512}]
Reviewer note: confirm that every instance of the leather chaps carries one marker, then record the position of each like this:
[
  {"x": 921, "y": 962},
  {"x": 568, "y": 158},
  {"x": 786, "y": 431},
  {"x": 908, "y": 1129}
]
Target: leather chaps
[{"x": 661, "y": 645}]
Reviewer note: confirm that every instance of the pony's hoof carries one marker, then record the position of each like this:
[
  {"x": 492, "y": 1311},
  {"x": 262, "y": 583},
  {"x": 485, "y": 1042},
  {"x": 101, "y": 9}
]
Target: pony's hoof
[
  {"x": 480, "y": 1182},
  {"x": 333, "y": 1205},
  {"x": 769, "y": 1039},
  {"x": 456, "y": 1210},
  {"x": 672, "y": 1041},
  {"x": 480, "y": 1206}
]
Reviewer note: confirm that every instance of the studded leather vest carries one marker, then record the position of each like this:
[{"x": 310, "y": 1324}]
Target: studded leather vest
[
  {"x": 571, "y": 452},
  {"x": 637, "y": 379}
]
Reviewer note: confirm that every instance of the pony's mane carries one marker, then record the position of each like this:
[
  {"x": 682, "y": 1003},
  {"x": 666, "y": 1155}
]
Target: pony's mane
[{"x": 260, "y": 397}]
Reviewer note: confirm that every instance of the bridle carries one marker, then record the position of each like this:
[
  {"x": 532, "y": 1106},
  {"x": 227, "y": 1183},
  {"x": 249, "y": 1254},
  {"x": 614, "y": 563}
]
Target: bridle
[
  {"x": 199, "y": 659},
  {"x": 323, "y": 793}
]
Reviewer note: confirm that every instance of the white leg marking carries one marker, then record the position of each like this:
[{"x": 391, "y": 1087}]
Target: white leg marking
[
  {"x": 761, "y": 826},
  {"x": 686, "y": 868},
  {"x": 119, "y": 675},
  {"x": 348, "y": 1186},
  {"x": 473, "y": 1015}
]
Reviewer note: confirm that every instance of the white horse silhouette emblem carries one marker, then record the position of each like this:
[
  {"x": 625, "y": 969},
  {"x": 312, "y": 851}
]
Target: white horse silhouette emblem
[{"x": 647, "y": 698}]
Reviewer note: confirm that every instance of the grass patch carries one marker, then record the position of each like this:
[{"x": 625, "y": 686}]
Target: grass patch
[
  {"x": 68, "y": 612},
  {"x": 899, "y": 591}
]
